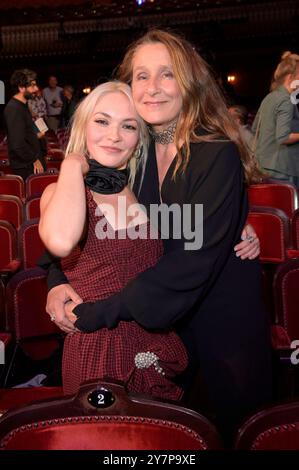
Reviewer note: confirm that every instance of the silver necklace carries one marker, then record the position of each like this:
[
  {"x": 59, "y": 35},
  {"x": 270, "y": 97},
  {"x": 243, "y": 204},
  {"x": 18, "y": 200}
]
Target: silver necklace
[{"x": 166, "y": 136}]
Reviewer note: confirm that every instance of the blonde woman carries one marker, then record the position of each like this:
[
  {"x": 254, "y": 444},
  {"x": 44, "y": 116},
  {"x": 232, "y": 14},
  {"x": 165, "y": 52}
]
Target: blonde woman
[{"x": 81, "y": 222}]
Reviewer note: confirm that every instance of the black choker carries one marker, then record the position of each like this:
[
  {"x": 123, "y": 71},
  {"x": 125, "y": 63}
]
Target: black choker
[
  {"x": 105, "y": 180},
  {"x": 164, "y": 137}
]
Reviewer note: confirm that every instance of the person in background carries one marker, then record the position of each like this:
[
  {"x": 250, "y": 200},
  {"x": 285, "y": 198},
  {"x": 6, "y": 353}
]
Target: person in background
[
  {"x": 54, "y": 100},
  {"x": 209, "y": 292},
  {"x": 23, "y": 144},
  {"x": 70, "y": 103},
  {"x": 276, "y": 124},
  {"x": 38, "y": 109},
  {"x": 240, "y": 114}
]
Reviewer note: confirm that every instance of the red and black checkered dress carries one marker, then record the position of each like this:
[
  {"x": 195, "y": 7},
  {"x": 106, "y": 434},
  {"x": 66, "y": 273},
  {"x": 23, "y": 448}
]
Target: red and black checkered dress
[{"x": 98, "y": 269}]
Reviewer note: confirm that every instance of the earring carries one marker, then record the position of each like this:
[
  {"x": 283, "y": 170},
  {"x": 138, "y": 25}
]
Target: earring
[{"x": 138, "y": 151}]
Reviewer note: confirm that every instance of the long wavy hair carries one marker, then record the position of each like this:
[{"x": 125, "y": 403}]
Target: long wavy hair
[
  {"x": 77, "y": 142},
  {"x": 203, "y": 106}
]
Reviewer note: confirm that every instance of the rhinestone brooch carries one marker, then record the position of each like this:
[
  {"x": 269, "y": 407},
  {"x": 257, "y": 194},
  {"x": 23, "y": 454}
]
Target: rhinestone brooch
[{"x": 144, "y": 360}]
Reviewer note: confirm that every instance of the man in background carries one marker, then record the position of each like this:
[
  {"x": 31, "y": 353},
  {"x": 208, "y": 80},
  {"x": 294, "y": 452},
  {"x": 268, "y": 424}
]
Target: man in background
[
  {"x": 54, "y": 101},
  {"x": 23, "y": 145}
]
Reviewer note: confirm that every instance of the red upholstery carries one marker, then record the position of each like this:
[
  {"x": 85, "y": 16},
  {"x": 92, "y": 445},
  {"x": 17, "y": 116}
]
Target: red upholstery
[
  {"x": 118, "y": 434},
  {"x": 4, "y": 165},
  {"x": 56, "y": 154},
  {"x": 30, "y": 243},
  {"x": 53, "y": 164},
  {"x": 36, "y": 184},
  {"x": 9, "y": 263},
  {"x": 13, "y": 397},
  {"x": 5, "y": 338},
  {"x": 282, "y": 196},
  {"x": 2, "y": 306},
  {"x": 13, "y": 185},
  {"x": 276, "y": 428},
  {"x": 295, "y": 229},
  {"x": 280, "y": 338},
  {"x": 26, "y": 294},
  {"x": 32, "y": 208},
  {"x": 11, "y": 209},
  {"x": 286, "y": 296},
  {"x": 131, "y": 423},
  {"x": 272, "y": 228}
]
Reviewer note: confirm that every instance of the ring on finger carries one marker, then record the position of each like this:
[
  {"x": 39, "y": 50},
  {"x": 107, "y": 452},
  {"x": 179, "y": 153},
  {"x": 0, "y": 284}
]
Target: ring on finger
[{"x": 250, "y": 238}]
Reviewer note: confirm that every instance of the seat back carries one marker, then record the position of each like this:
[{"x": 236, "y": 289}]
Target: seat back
[
  {"x": 13, "y": 185},
  {"x": 30, "y": 245},
  {"x": 32, "y": 208},
  {"x": 272, "y": 228},
  {"x": 11, "y": 209},
  {"x": 282, "y": 196},
  {"x": 103, "y": 416},
  {"x": 295, "y": 229},
  {"x": 286, "y": 297},
  {"x": 26, "y": 295},
  {"x": 8, "y": 244},
  {"x": 35, "y": 184},
  {"x": 56, "y": 153},
  {"x": 275, "y": 428},
  {"x": 2, "y": 307}
]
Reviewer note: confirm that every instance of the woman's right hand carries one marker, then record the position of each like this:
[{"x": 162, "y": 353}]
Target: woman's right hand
[{"x": 56, "y": 301}]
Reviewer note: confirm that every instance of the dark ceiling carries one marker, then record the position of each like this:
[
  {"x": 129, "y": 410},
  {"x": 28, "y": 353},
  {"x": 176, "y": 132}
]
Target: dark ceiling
[
  {"x": 81, "y": 38},
  {"x": 25, "y": 11}
]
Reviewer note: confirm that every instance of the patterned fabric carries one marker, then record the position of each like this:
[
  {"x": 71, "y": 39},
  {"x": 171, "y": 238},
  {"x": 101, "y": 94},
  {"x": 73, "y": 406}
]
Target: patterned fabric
[
  {"x": 38, "y": 107},
  {"x": 97, "y": 269}
]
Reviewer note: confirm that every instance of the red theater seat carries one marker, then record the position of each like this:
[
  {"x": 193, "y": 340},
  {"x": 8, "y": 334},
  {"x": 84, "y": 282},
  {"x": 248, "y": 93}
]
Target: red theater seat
[
  {"x": 56, "y": 154},
  {"x": 103, "y": 416},
  {"x": 11, "y": 209},
  {"x": 13, "y": 185},
  {"x": 32, "y": 208},
  {"x": 281, "y": 196},
  {"x": 286, "y": 297},
  {"x": 30, "y": 245},
  {"x": 13, "y": 397},
  {"x": 275, "y": 428},
  {"x": 272, "y": 228},
  {"x": 35, "y": 184},
  {"x": 27, "y": 320},
  {"x": 295, "y": 229},
  {"x": 9, "y": 262}
]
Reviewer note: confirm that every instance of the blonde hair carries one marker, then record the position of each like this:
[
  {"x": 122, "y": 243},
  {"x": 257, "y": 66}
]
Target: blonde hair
[
  {"x": 287, "y": 66},
  {"x": 77, "y": 142},
  {"x": 203, "y": 103}
]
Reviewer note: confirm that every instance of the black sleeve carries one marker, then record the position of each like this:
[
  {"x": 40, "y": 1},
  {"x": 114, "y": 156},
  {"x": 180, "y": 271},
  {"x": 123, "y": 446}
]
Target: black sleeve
[
  {"x": 52, "y": 264},
  {"x": 26, "y": 150},
  {"x": 161, "y": 295}
]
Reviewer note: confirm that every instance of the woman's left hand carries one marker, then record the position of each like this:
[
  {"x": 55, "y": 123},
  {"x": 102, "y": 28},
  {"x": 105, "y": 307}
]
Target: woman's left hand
[{"x": 249, "y": 248}]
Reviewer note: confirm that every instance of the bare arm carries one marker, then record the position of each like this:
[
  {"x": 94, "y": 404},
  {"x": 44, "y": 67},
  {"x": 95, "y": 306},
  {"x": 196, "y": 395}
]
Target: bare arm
[
  {"x": 292, "y": 139},
  {"x": 63, "y": 208}
]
